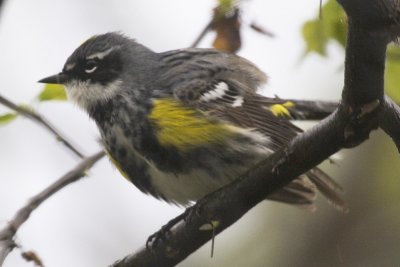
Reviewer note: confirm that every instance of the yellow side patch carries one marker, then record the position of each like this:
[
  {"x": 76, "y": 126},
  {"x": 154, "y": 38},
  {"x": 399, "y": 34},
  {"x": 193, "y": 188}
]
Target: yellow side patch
[
  {"x": 118, "y": 166},
  {"x": 184, "y": 127},
  {"x": 280, "y": 110}
]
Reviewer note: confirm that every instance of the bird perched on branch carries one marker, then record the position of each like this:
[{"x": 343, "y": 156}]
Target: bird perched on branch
[{"x": 181, "y": 124}]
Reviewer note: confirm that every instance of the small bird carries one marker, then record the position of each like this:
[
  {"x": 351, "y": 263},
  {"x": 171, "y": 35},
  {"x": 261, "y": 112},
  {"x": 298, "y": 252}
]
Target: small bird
[{"x": 184, "y": 123}]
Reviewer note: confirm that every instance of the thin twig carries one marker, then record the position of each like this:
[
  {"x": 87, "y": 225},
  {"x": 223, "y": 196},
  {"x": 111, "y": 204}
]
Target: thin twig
[
  {"x": 1, "y": 4},
  {"x": 7, "y": 234},
  {"x": 42, "y": 121},
  {"x": 206, "y": 29}
]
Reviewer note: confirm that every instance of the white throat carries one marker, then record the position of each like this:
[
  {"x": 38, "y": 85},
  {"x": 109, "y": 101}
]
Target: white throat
[{"x": 86, "y": 94}]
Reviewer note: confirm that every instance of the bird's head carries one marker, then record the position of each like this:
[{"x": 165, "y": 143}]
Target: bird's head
[{"x": 97, "y": 70}]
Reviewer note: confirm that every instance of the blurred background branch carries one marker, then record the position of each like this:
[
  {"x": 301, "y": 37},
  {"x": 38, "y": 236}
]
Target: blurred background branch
[
  {"x": 227, "y": 24},
  {"x": 7, "y": 234},
  {"x": 29, "y": 113}
]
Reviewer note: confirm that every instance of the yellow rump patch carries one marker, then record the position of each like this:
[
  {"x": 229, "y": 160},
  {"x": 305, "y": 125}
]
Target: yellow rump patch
[
  {"x": 280, "y": 110},
  {"x": 185, "y": 127}
]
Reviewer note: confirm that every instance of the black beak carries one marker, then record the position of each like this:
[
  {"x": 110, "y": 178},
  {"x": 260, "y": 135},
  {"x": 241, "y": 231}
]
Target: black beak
[{"x": 60, "y": 78}]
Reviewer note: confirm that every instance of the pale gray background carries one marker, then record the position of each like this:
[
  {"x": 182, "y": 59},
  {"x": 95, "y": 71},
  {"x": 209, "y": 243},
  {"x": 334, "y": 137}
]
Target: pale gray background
[{"x": 102, "y": 218}]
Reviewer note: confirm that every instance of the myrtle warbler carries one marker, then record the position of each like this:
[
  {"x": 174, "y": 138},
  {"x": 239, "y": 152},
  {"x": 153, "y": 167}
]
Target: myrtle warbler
[{"x": 183, "y": 123}]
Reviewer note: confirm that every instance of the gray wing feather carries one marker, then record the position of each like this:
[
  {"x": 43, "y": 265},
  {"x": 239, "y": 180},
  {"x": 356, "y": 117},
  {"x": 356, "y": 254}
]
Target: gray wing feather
[
  {"x": 212, "y": 81},
  {"x": 208, "y": 65},
  {"x": 191, "y": 74}
]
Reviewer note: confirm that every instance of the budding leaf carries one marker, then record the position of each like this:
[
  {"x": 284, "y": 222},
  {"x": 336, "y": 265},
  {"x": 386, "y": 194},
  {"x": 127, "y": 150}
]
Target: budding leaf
[
  {"x": 332, "y": 26},
  {"x": 392, "y": 70},
  {"x": 53, "y": 92},
  {"x": 7, "y": 118}
]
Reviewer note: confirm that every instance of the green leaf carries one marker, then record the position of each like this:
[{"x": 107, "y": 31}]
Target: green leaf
[
  {"x": 7, "y": 118},
  {"x": 317, "y": 33},
  {"x": 53, "y": 92},
  {"x": 227, "y": 4},
  {"x": 315, "y": 37},
  {"x": 392, "y": 71}
]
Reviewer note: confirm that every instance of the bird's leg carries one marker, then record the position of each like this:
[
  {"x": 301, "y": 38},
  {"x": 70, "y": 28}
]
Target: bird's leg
[{"x": 153, "y": 239}]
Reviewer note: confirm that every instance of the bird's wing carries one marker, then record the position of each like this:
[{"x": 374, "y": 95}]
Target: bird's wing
[{"x": 224, "y": 86}]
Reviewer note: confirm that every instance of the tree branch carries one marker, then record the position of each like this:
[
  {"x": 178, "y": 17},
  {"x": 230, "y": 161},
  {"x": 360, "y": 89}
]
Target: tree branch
[
  {"x": 42, "y": 121},
  {"x": 364, "y": 64},
  {"x": 359, "y": 112},
  {"x": 390, "y": 121},
  {"x": 7, "y": 234}
]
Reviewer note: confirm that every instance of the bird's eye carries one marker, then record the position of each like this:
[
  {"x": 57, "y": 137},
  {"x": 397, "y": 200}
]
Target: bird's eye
[{"x": 91, "y": 66}]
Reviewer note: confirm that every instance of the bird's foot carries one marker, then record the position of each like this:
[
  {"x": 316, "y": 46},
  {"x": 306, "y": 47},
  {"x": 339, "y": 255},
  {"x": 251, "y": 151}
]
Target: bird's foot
[{"x": 162, "y": 234}]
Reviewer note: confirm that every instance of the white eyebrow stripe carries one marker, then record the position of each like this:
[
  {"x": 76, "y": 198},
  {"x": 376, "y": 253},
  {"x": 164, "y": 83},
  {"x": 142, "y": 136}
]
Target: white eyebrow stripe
[{"x": 101, "y": 55}]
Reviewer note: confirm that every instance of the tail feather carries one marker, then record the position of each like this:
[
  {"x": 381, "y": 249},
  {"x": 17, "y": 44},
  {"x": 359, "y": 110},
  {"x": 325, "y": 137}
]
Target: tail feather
[
  {"x": 327, "y": 180},
  {"x": 300, "y": 192},
  {"x": 329, "y": 188}
]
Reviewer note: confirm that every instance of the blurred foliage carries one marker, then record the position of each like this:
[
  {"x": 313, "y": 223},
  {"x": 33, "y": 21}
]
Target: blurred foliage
[
  {"x": 49, "y": 92},
  {"x": 31, "y": 256},
  {"x": 388, "y": 168},
  {"x": 226, "y": 23},
  {"x": 53, "y": 92},
  {"x": 392, "y": 73},
  {"x": 318, "y": 32},
  {"x": 7, "y": 118},
  {"x": 227, "y": 6}
]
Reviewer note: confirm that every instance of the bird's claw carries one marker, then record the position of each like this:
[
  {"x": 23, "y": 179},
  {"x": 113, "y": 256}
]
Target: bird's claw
[{"x": 161, "y": 235}]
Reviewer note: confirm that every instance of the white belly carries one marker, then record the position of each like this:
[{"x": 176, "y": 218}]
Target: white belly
[{"x": 186, "y": 188}]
